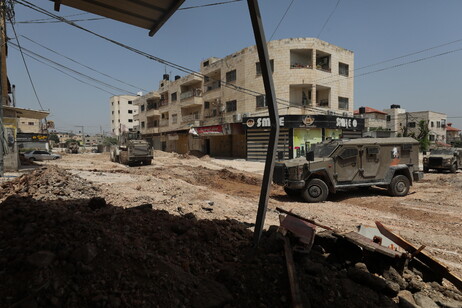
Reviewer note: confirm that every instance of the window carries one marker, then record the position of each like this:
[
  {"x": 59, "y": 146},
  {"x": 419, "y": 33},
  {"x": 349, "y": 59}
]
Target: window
[
  {"x": 258, "y": 67},
  {"x": 432, "y": 124},
  {"x": 118, "y": 111},
  {"x": 411, "y": 124},
  {"x": 173, "y": 97},
  {"x": 438, "y": 124},
  {"x": 112, "y": 121},
  {"x": 431, "y": 137},
  {"x": 112, "y": 103},
  {"x": 388, "y": 118},
  {"x": 118, "y": 102},
  {"x": 112, "y": 112},
  {"x": 348, "y": 153},
  {"x": 142, "y": 107},
  {"x": 343, "y": 103},
  {"x": 261, "y": 101},
  {"x": 174, "y": 118},
  {"x": 206, "y": 105},
  {"x": 231, "y": 76},
  {"x": 206, "y": 63},
  {"x": 343, "y": 69},
  {"x": 231, "y": 106},
  {"x": 142, "y": 124},
  {"x": 130, "y": 102},
  {"x": 130, "y": 120},
  {"x": 130, "y": 111}
]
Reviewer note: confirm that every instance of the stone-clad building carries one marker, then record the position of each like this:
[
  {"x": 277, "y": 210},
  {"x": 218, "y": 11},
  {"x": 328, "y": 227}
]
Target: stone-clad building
[{"x": 212, "y": 111}]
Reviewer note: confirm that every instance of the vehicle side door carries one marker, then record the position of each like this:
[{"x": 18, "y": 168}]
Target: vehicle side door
[
  {"x": 346, "y": 164},
  {"x": 370, "y": 161}
]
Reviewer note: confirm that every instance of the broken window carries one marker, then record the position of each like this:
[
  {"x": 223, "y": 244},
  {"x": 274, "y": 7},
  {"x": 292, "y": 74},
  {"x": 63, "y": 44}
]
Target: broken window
[{"x": 231, "y": 76}]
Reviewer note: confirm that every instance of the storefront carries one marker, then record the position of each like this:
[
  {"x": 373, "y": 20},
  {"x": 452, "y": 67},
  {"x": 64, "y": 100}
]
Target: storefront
[
  {"x": 224, "y": 140},
  {"x": 297, "y": 133}
]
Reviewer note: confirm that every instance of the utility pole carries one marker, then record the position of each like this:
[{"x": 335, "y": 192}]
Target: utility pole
[
  {"x": 406, "y": 124},
  {"x": 3, "y": 81},
  {"x": 83, "y": 136}
]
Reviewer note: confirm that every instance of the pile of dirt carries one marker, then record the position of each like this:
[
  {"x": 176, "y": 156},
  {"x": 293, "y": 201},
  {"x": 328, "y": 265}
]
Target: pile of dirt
[
  {"x": 49, "y": 183},
  {"x": 82, "y": 252}
]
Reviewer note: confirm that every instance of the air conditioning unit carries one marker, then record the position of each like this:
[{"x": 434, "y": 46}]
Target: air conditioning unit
[
  {"x": 246, "y": 115},
  {"x": 237, "y": 117},
  {"x": 345, "y": 114},
  {"x": 197, "y": 123}
]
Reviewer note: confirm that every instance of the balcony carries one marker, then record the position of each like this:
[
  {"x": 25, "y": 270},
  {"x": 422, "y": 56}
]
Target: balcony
[
  {"x": 192, "y": 98},
  {"x": 191, "y": 79},
  {"x": 163, "y": 122},
  {"x": 190, "y": 118},
  {"x": 152, "y": 112},
  {"x": 163, "y": 103},
  {"x": 212, "y": 86}
]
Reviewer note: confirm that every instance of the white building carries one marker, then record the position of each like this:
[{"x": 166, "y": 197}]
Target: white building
[{"x": 122, "y": 112}]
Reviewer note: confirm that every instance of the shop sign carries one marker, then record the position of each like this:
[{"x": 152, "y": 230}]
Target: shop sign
[
  {"x": 347, "y": 123},
  {"x": 30, "y": 137},
  {"x": 214, "y": 130},
  {"x": 262, "y": 122}
]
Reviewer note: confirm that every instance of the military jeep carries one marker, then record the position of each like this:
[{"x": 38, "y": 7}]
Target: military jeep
[
  {"x": 443, "y": 159},
  {"x": 342, "y": 164}
]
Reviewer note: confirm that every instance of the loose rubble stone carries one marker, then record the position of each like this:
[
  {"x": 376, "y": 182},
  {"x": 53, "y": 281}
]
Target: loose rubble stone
[{"x": 424, "y": 301}]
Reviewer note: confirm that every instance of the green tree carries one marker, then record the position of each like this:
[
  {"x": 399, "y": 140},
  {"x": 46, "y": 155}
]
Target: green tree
[
  {"x": 72, "y": 140},
  {"x": 423, "y": 135},
  {"x": 54, "y": 137},
  {"x": 109, "y": 141}
]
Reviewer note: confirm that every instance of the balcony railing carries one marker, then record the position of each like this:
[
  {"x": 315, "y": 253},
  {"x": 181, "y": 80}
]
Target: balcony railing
[
  {"x": 302, "y": 103},
  {"x": 190, "y": 118},
  {"x": 298, "y": 65},
  {"x": 191, "y": 93},
  {"x": 212, "y": 86},
  {"x": 323, "y": 68},
  {"x": 163, "y": 122},
  {"x": 152, "y": 125},
  {"x": 163, "y": 102}
]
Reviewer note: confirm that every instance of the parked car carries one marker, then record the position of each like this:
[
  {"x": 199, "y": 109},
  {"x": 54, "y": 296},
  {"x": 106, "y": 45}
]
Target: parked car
[{"x": 41, "y": 155}]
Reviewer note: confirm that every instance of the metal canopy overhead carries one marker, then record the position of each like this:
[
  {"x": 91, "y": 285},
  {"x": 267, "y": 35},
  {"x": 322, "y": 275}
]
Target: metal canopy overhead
[{"x": 147, "y": 14}]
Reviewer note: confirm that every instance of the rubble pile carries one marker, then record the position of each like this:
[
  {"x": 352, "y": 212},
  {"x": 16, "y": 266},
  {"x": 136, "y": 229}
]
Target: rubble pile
[
  {"x": 81, "y": 252},
  {"x": 49, "y": 183}
]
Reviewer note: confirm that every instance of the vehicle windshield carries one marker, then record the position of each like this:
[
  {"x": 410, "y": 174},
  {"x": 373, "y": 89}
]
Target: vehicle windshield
[
  {"x": 323, "y": 149},
  {"x": 442, "y": 152}
]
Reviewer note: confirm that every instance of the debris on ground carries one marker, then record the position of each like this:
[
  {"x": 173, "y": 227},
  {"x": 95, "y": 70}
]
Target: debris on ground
[{"x": 75, "y": 249}]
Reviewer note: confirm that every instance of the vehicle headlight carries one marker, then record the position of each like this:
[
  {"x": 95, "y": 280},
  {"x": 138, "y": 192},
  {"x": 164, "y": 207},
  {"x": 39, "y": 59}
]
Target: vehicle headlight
[{"x": 447, "y": 160}]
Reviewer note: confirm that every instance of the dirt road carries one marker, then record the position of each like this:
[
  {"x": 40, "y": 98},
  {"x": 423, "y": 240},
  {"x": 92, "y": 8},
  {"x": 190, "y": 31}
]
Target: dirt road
[{"x": 210, "y": 188}]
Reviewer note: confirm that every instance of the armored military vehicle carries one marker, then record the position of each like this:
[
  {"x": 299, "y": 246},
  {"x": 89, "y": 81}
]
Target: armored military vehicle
[
  {"x": 443, "y": 159},
  {"x": 73, "y": 147},
  {"x": 341, "y": 164},
  {"x": 131, "y": 150}
]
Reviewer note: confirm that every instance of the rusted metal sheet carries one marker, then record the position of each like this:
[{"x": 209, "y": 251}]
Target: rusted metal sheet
[
  {"x": 294, "y": 286},
  {"x": 302, "y": 229},
  {"x": 311, "y": 221},
  {"x": 436, "y": 266},
  {"x": 369, "y": 245}
]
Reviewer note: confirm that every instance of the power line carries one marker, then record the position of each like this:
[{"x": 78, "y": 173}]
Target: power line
[
  {"x": 25, "y": 64},
  {"x": 56, "y": 21},
  {"x": 210, "y": 4},
  {"x": 283, "y": 16},
  {"x": 74, "y": 71},
  {"x": 86, "y": 66},
  {"x": 32, "y": 57},
  {"x": 328, "y": 18}
]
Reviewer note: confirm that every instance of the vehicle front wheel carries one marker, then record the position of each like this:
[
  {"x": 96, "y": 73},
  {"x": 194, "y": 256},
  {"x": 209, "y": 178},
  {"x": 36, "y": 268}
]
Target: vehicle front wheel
[
  {"x": 315, "y": 191},
  {"x": 291, "y": 192},
  {"x": 453, "y": 168},
  {"x": 399, "y": 186}
]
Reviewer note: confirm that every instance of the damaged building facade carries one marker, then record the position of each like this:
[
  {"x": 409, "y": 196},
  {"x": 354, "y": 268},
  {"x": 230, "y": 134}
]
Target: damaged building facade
[{"x": 222, "y": 111}]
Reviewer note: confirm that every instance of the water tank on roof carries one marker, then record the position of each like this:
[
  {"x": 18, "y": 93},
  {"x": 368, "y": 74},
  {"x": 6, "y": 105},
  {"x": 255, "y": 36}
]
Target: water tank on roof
[
  {"x": 362, "y": 110},
  {"x": 395, "y": 106},
  {"x": 165, "y": 77},
  {"x": 177, "y": 77}
]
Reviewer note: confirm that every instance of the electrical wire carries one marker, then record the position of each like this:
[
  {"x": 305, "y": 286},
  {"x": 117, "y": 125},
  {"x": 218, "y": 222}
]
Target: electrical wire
[
  {"x": 32, "y": 57},
  {"x": 73, "y": 71},
  {"x": 194, "y": 73},
  {"x": 86, "y": 66},
  {"x": 283, "y": 16},
  {"x": 24, "y": 61},
  {"x": 206, "y": 5},
  {"x": 328, "y": 18},
  {"x": 57, "y": 21}
]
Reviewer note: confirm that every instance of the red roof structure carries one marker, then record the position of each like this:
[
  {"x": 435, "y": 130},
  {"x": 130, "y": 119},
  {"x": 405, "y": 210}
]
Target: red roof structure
[{"x": 370, "y": 110}]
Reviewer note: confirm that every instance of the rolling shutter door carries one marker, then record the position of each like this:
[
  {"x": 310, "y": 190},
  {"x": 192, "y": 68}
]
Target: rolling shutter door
[{"x": 257, "y": 143}]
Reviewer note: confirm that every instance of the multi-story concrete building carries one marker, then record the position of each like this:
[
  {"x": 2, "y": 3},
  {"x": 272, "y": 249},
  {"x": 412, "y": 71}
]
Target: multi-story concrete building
[
  {"x": 453, "y": 134},
  {"x": 122, "y": 113},
  {"x": 222, "y": 110},
  {"x": 407, "y": 123}
]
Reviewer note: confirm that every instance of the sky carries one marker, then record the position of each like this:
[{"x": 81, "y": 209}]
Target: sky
[{"x": 406, "y": 52}]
